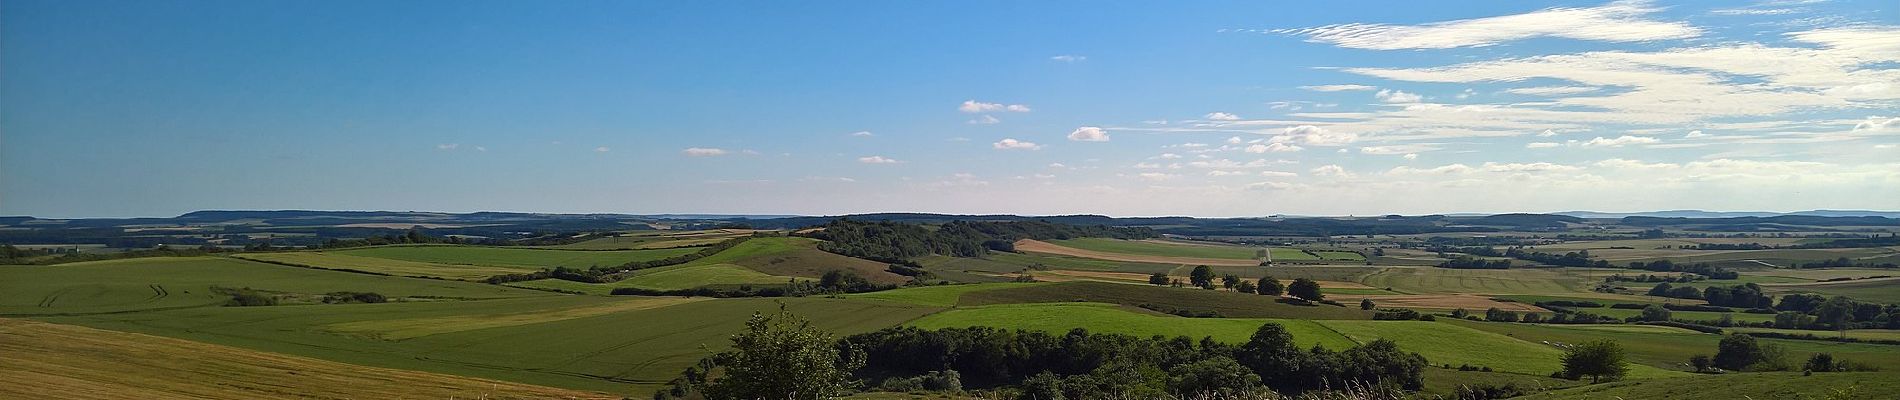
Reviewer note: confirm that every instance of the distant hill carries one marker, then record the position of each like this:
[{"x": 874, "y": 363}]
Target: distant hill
[{"x": 1730, "y": 214}]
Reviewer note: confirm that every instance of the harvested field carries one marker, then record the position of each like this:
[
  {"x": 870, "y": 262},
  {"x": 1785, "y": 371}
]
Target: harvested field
[
  {"x": 1440, "y": 302},
  {"x": 84, "y": 363},
  {"x": 1037, "y": 246},
  {"x": 419, "y": 327}
]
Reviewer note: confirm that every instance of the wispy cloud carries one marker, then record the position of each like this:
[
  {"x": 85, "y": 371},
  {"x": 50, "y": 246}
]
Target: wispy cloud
[
  {"x": 694, "y": 151},
  {"x": 1338, "y": 88},
  {"x": 973, "y": 107},
  {"x": 1013, "y": 144},
  {"x": 1623, "y": 21},
  {"x": 1089, "y": 134},
  {"x": 877, "y": 160},
  {"x": 1069, "y": 58}
]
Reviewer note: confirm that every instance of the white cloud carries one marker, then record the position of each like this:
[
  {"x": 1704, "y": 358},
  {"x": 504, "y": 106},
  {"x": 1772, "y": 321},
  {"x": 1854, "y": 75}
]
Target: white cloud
[
  {"x": 604, "y": 149},
  {"x": 974, "y": 107},
  {"x": 1695, "y": 134},
  {"x": 1331, "y": 170},
  {"x": 863, "y": 134},
  {"x": 1282, "y": 174},
  {"x": 1013, "y": 144},
  {"x": 1221, "y": 116},
  {"x": 1069, "y": 58},
  {"x": 1269, "y": 186},
  {"x": 1338, "y": 88},
  {"x": 1272, "y": 147},
  {"x": 1234, "y": 140},
  {"x": 1058, "y": 165},
  {"x": 447, "y": 146},
  {"x": 1547, "y": 133},
  {"x": 983, "y": 120},
  {"x": 1621, "y": 21},
  {"x": 1543, "y": 145},
  {"x": 1878, "y": 124},
  {"x": 1397, "y": 149},
  {"x": 1167, "y": 156},
  {"x": 1154, "y": 176},
  {"x": 1619, "y": 141},
  {"x": 1089, "y": 134},
  {"x": 693, "y": 151},
  {"x": 1394, "y": 96},
  {"x": 877, "y": 160},
  {"x": 1316, "y": 136},
  {"x": 1552, "y": 90},
  {"x": 1411, "y": 156}
]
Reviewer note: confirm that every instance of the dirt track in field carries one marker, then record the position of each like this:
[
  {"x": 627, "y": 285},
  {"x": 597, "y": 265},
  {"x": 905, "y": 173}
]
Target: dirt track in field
[{"x": 1037, "y": 246}]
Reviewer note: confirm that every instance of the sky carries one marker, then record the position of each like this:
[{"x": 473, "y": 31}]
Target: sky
[{"x": 1213, "y": 109}]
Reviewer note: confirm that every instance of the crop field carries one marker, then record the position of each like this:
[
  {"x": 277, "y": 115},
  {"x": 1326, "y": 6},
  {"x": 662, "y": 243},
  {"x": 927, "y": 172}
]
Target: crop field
[
  {"x": 1036, "y": 246},
  {"x": 941, "y": 295},
  {"x": 654, "y": 240},
  {"x": 1442, "y": 343},
  {"x": 1163, "y": 248},
  {"x": 1885, "y": 290},
  {"x": 512, "y": 257},
  {"x": 1226, "y": 303},
  {"x": 1292, "y": 254},
  {"x": 1865, "y": 334},
  {"x": 1422, "y": 280},
  {"x": 1058, "y": 318},
  {"x": 629, "y": 351},
  {"x": 184, "y": 282},
  {"x": 1683, "y": 315},
  {"x": 85, "y": 363},
  {"x": 344, "y": 262}
]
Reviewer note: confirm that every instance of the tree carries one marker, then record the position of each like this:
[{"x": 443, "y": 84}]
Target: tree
[
  {"x": 1599, "y": 359},
  {"x": 1655, "y": 313},
  {"x": 1821, "y": 362},
  {"x": 1737, "y": 352},
  {"x": 1365, "y": 304},
  {"x": 1245, "y": 287},
  {"x": 1836, "y": 312},
  {"x": 1270, "y": 352},
  {"x": 1270, "y": 287},
  {"x": 1158, "y": 278},
  {"x": 782, "y": 357},
  {"x": 1202, "y": 277},
  {"x": 1460, "y": 313},
  {"x": 1305, "y": 289},
  {"x": 1701, "y": 362},
  {"x": 1229, "y": 281},
  {"x": 1212, "y": 375}
]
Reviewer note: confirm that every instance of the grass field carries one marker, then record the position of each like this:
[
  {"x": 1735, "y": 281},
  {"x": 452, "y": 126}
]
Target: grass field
[
  {"x": 1163, "y": 248},
  {"x": 346, "y": 262},
  {"x": 654, "y": 240},
  {"x": 626, "y": 352},
  {"x": 1292, "y": 254},
  {"x": 1671, "y": 350},
  {"x": 1226, "y": 303},
  {"x": 1058, "y": 318},
  {"x": 1879, "y": 290},
  {"x": 181, "y": 282},
  {"x": 786, "y": 258},
  {"x": 940, "y": 296},
  {"x": 511, "y": 256},
  {"x": 74, "y": 362},
  {"x": 1758, "y": 386},
  {"x": 1443, "y": 343},
  {"x": 1425, "y": 280}
]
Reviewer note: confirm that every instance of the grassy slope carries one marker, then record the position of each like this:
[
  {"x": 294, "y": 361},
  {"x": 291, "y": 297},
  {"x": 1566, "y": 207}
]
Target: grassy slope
[
  {"x": 623, "y": 352},
  {"x": 780, "y": 258},
  {"x": 512, "y": 257},
  {"x": 797, "y": 256},
  {"x": 1443, "y": 343},
  {"x": 1157, "y": 248},
  {"x": 1228, "y": 304},
  {"x": 84, "y": 363},
  {"x": 384, "y": 266},
  {"x": 1671, "y": 350},
  {"x": 168, "y": 282},
  {"x": 1058, "y": 318},
  {"x": 1758, "y": 386}
]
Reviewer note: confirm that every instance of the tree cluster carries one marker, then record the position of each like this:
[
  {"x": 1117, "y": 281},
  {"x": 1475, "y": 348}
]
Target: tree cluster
[{"x": 897, "y": 242}]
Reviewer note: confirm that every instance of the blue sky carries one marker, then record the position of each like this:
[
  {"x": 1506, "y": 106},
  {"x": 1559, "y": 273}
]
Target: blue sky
[{"x": 1202, "y": 108}]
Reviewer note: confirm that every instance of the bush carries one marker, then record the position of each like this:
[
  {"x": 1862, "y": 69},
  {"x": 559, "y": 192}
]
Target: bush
[
  {"x": 1697, "y": 307},
  {"x": 1395, "y": 314},
  {"x": 1569, "y": 303},
  {"x": 1486, "y": 392},
  {"x": 246, "y": 297},
  {"x": 353, "y": 297}
]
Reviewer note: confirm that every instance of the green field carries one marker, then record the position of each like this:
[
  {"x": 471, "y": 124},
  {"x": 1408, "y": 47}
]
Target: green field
[
  {"x": 1671, "y": 349},
  {"x": 1443, "y": 343},
  {"x": 1058, "y": 318},
  {"x": 184, "y": 282},
  {"x": 788, "y": 258},
  {"x": 1760, "y": 386},
  {"x": 512, "y": 256},
  {"x": 335, "y": 261},
  {"x": 1163, "y": 248},
  {"x": 1882, "y": 290},
  {"x": 1226, "y": 303},
  {"x": 1292, "y": 254},
  {"x": 941, "y": 295},
  {"x": 630, "y": 351},
  {"x": 1430, "y": 280}
]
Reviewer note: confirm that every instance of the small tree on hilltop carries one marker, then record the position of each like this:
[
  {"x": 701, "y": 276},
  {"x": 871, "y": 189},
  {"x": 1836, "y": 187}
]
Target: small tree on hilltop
[
  {"x": 1601, "y": 360},
  {"x": 1202, "y": 277},
  {"x": 1270, "y": 287},
  {"x": 783, "y": 357},
  {"x": 1229, "y": 281},
  {"x": 1305, "y": 289},
  {"x": 1737, "y": 352},
  {"x": 1366, "y": 304},
  {"x": 1701, "y": 362},
  {"x": 1245, "y": 286},
  {"x": 1655, "y": 313}
]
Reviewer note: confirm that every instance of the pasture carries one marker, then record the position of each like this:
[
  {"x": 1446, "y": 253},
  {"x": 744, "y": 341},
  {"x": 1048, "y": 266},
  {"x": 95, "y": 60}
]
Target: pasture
[
  {"x": 1059, "y": 318},
  {"x": 1226, "y": 303},
  {"x": 625, "y": 352},
  {"x": 1442, "y": 343},
  {"x": 511, "y": 256},
  {"x": 186, "y": 282},
  {"x": 344, "y": 262},
  {"x": 84, "y": 363}
]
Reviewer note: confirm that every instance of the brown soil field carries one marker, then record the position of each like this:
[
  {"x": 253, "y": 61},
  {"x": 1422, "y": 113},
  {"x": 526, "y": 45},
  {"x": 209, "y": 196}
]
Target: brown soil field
[
  {"x": 1037, "y": 246},
  {"x": 71, "y": 362}
]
